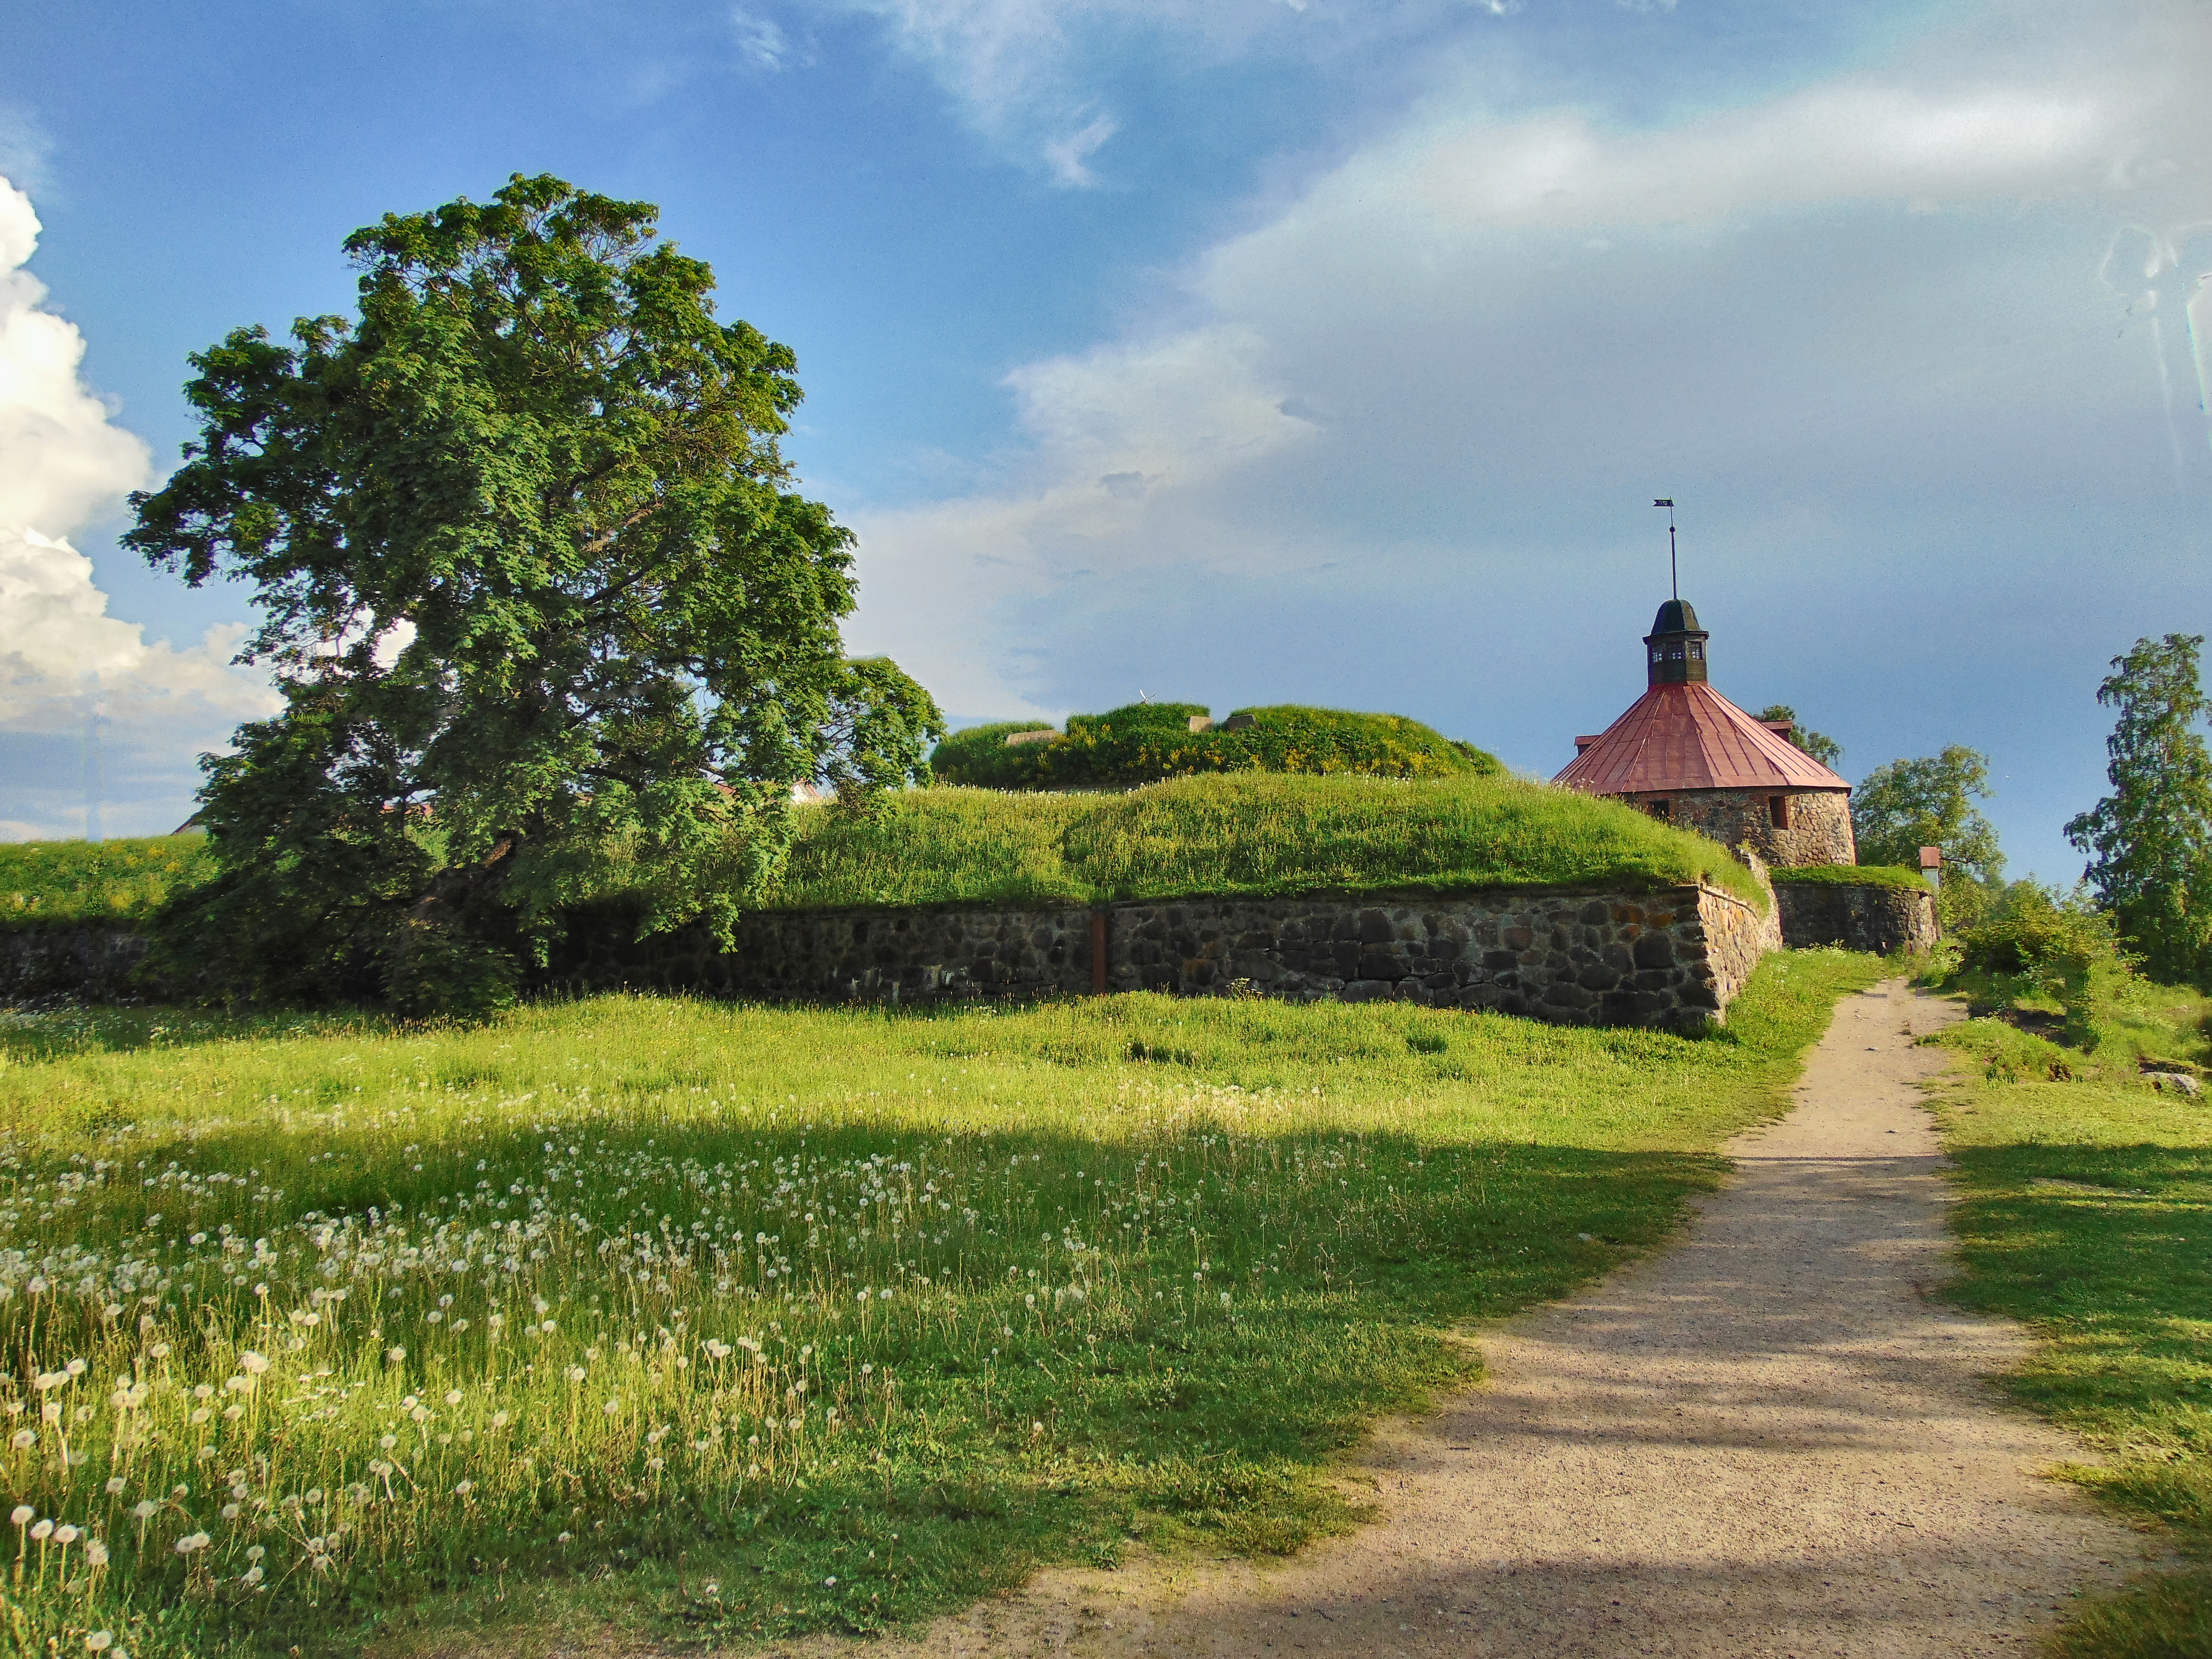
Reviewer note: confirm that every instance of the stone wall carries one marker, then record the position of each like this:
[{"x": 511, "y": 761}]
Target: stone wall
[
  {"x": 86, "y": 964},
  {"x": 1819, "y": 829},
  {"x": 1674, "y": 957},
  {"x": 1869, "y": 918},
  {"x": 842, "y": 955}
]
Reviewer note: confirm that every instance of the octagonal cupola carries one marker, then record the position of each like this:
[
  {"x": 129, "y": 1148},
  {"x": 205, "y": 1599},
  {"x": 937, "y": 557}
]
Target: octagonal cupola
[{"x": 1674, "y": 649}]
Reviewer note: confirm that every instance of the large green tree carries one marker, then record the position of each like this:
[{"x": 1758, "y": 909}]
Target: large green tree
[
  {"x": 550, "y": 622},
  {"x": 2150, "y": 840},
  {"x": 1930, "y": 802}
]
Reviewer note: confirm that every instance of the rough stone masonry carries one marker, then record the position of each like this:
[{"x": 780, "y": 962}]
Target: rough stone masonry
[{"x": 1671, "y": 956}]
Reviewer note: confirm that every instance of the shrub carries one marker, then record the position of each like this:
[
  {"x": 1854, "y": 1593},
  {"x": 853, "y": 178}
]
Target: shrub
[
  {"x": 2036, "y": 940},
  {"x": 1146, "y": 742},
  {"x": 979, "y": 755},
  {"x": 2033, "y": 927}
]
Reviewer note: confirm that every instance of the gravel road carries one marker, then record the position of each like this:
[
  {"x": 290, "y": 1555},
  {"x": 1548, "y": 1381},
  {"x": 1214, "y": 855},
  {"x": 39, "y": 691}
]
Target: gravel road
[{"x": 1764, "y": 1441}]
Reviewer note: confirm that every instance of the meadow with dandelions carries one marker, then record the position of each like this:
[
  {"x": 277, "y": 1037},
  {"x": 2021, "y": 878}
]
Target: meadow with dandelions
[{"x": 715, "y": 1323}]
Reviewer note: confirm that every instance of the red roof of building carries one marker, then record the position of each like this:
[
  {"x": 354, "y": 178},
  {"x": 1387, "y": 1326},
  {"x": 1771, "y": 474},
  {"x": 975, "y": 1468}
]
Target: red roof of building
[{"x": 1690, "y": 737}]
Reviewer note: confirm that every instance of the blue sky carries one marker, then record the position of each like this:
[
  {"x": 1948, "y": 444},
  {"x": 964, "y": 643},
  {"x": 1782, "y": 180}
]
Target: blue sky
[{"x": 1242, "y": 351}]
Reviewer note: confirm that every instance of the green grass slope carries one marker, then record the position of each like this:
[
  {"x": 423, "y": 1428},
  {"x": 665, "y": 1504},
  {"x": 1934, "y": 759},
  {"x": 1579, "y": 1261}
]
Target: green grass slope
[
  {"x": 1246, "y": 834},
  {"x": 2085, "y": 1213},
  {"x": 64, "y": 883},
  {"x": 680, "y": 1325}
]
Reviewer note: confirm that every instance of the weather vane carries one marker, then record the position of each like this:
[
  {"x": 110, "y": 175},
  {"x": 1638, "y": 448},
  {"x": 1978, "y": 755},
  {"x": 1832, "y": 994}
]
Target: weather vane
[{"x": 1674, "y": 576}]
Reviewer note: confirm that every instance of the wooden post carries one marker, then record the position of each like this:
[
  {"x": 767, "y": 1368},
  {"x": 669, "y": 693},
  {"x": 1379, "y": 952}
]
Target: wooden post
[{"x": 1098, "y": 953}]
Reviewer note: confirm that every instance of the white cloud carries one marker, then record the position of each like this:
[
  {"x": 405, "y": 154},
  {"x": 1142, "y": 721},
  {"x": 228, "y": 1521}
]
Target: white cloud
[
  {"x": 61, "y": 461},
  {"x": 1112, "y": 432},
  {"x": 761, "y": 42},
  {"x": 1032, "y": 76},
  {"x": 1479, "y": 320},
  {"x": 65, "y": 464},
  {"x": 1068, "y": 156},
  {"x": 60, "y": 652}
]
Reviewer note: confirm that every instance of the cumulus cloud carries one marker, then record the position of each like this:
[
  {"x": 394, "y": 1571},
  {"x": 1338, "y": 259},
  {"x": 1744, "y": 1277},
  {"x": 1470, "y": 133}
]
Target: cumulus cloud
[
  {"x": 1437, "y": 359},
  {"x": 63, "y": 660},
  {"x": 1117, "y": 434}
]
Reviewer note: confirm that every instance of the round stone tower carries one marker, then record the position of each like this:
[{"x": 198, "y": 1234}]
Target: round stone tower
[{"x": 1685, "y": 753}]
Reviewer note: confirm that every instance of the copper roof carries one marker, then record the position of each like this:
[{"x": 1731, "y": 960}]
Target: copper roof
[{"x": 1690, "y": 737}]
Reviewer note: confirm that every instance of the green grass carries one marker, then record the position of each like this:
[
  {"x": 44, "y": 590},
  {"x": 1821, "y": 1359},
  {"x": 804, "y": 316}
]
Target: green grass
[
  {"x": 1850, "y": 875},
  {"x": 1247, "y": 835},
  {"x": 715, "y": 1323},
  {"x": 2086, "y": 1214},
  {"x": 63, "y": 884}
]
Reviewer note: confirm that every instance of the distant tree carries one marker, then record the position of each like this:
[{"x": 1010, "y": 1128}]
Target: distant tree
[
  {"x": 1910, "y": 804},
  {"x": 1820, "y": 746},
  {"x": 550, "y": 623},
  {"x": 2151, "y": 838}
]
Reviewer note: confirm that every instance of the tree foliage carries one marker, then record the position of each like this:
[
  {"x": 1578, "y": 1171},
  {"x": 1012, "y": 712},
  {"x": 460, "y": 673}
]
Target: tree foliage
[
  {"x": 1910, "y": 804},
  {"x": 548, "y": 619},
  {"x": 2150, "y": 840},
  {"x": 1818, "y": 744}
]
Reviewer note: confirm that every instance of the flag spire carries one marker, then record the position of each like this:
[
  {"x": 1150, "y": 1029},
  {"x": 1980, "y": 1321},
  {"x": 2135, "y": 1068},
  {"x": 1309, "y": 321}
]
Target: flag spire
[{"x": 1674, "y": 576}]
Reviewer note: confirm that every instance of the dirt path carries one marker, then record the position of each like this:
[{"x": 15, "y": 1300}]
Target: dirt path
[{"x": 1763, "y": 1441}]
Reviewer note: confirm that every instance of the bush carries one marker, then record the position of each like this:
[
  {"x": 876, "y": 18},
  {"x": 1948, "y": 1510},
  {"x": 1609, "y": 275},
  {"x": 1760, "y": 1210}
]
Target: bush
[
  {"x": 977, "y": 755},
  {"x": 2034, "y": 929},
  {"x": 2034, "y": 940},
  {"x": 1146, "y": 743}
]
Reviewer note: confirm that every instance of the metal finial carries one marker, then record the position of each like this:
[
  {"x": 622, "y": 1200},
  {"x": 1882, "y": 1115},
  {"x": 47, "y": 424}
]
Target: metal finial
[{"x": 1674, "y": 575}]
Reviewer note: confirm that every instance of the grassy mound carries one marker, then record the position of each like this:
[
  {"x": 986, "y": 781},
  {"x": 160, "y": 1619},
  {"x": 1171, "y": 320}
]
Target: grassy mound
[
  {"x": 1247, "y": 835},
  {"x": 66, "y": 884},
  {"x": 1144, "y": 743},
  {"x": 1849, "y": 875}
]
